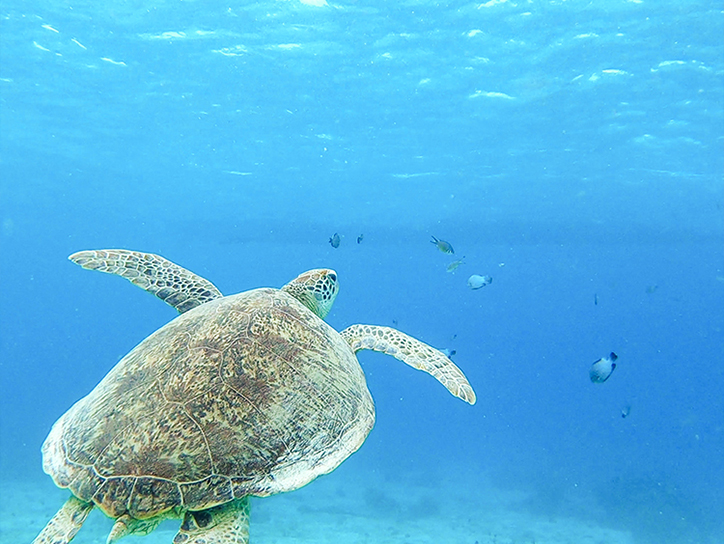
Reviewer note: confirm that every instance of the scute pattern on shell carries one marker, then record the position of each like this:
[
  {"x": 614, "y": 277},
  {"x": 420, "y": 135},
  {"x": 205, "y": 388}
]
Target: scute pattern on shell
[{"x": 250, "y": 394}]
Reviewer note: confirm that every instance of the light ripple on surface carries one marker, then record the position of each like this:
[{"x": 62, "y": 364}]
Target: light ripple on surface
[
  {"x": 111, "y": 61},
  {"x": 491, "y": 94}
]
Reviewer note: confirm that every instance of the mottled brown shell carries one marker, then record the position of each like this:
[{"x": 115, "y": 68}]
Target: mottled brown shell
[{"x": 250, "y": 394}]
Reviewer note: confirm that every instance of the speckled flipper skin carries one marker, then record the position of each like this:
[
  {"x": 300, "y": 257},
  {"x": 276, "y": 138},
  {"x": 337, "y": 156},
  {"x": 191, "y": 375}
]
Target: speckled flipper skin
[
  {"x": 225, "y": 524},
  {"x": 412, "y": 352},
  {"x": 170, "y": 282},
  {"x": 65, "y": 523}
]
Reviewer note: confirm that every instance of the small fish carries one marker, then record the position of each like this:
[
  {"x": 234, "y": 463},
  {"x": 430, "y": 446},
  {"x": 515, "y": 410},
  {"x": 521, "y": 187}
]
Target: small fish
[
  {"x": 476, "y": 282},
  {"x": 602, "y": 369},
  {"x": 447, "y": 352},
  {"x": 442, "y": 245},
  {"x": 595, "y": 299},
  {"x": 334, "y": 241},
  {"x": 651, "y": 289},
  {"x": 360, "y": 238},
  {"x": 453, "y": 266},
  {"x": 625, "y": 411}
]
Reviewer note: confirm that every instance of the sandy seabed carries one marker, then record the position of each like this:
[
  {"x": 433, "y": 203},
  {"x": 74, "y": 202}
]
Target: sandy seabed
[{"x": 333, "y": 510}]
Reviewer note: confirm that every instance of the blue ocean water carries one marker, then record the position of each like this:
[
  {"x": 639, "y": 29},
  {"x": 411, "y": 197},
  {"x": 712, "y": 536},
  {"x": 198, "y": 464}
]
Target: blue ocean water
[{"x": 572, "y": 150}]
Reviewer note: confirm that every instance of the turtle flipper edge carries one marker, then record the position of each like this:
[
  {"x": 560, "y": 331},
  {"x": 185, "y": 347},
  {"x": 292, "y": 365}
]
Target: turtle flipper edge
[
  {"x": 64, "y": 525},
  {"x": 413, "y": 352},
  {"x": 224, "y": 524},
  {"x": 168, "y": 281}
]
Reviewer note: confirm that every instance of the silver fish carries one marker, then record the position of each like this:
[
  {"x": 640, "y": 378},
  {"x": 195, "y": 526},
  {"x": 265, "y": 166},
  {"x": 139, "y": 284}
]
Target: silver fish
[
  {"x": 476, "y": 282},
  {"x": 334, "y": 241},
  {"x": 453, "y": 266},
  {"x": 602, "y": 369}
]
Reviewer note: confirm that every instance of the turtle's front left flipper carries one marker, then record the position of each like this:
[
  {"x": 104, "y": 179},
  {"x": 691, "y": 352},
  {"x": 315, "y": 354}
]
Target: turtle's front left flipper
[
  {"x": 65, "y": 523},
  {"x": 224, "y": 524},
  {"x": 412, "y": 352},
  {"x": 170, "y": 282}
]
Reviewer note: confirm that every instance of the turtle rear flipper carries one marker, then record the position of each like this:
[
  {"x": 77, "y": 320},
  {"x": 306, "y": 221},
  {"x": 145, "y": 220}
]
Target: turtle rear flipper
[
  {"x": 126, "y": 525},
  {"x": 170, "y": 282},
  {"x": 412, "y": 352},
  {"x": 65, "y": 523},
  {"x": 224, "y": 524}
]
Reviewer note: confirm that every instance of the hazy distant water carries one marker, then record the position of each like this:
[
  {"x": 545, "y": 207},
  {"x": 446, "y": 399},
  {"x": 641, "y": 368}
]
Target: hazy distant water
[{"x": 571, "y": 150}]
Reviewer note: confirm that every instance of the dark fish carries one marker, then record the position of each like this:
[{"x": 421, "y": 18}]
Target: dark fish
[
  {"x": 442, "y": 245},
  {"x": 447, "y": 352},
  {"x": 625, "y": 411},
  {"x": 360, "y": 238},
  {"x": 334, "y": 241},
  {"x": 602, "y": 369},
  {"x": 595, "y": 299}
]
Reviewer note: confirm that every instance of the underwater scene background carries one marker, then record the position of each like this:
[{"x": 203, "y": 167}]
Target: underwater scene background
[{"x": 570, "y": 150}]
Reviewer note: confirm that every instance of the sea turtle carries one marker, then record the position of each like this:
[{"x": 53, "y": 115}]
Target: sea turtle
[{"x": 244, "y": 395}]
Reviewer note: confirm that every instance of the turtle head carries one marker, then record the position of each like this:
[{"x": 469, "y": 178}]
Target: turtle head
[{"x": 316, "y": 289}]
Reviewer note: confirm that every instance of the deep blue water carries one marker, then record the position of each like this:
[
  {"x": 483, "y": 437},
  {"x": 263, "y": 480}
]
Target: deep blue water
[{"x": 571, "y": 150}]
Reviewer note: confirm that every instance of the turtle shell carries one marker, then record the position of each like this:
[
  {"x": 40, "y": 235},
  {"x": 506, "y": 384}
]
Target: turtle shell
[{"x": 250, "y": 394}]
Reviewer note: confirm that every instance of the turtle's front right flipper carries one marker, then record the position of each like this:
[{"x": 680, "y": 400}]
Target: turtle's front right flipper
[
  {"x": 413, "y": 352},
  {"x": 65, "y": 523},
  {"x": 173, "y": 284}
]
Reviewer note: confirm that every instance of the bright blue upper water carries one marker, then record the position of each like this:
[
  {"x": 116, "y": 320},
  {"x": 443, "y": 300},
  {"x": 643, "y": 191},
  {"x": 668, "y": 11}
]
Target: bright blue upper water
[{"x": 571, "y": 150}]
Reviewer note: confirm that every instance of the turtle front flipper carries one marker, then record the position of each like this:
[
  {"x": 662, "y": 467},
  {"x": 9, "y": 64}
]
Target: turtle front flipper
[
  {"x": 173, "y": 284},
  {"x": 65, "y": 523},
  {"x": 412, "y": 352},
  {"x": 224, "y": 524}
]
